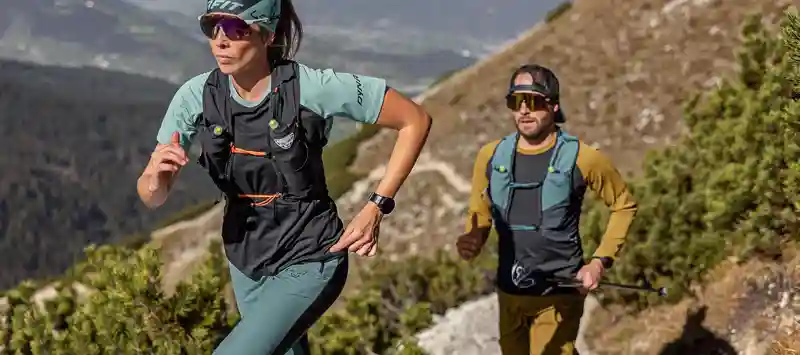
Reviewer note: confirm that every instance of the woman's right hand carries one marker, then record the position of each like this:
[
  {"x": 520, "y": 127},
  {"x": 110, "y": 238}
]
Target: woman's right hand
[{"x": 167, "y": 159}]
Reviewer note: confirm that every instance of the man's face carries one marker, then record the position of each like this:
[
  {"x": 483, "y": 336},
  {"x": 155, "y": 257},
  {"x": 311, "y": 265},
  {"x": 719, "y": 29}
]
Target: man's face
[{"x": 533, "y": 123}]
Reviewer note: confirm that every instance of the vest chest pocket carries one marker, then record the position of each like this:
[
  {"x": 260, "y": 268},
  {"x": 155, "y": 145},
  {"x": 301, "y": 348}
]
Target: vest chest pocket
[
  {"x": 556, "y": 189},
  {"x": 499, "y": 186},
  {"x": 556, "y": 194},
  {"x": 290, "y": 151},
  {"x": 215, "y": 141}
]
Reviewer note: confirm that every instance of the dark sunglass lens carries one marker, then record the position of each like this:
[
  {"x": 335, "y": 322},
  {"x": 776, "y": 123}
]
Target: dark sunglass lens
[
  {"x": 538, "y": 102},
  {"x": 207, "y": 25},
  {"x": 234, "y": 28},
  {"x": 511, "y": 102}
]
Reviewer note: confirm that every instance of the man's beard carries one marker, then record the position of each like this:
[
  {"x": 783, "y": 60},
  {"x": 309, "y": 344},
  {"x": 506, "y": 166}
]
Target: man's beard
[{"x": 540, "y": 133}]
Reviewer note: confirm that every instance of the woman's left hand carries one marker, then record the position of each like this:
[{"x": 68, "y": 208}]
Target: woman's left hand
[{"x": 361, "y": 235}]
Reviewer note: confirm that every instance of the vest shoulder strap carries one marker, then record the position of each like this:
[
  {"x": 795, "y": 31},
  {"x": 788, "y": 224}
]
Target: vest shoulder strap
[
  {"x": 216, "y": 80},
  {"x": 287, "y": 83},
  {"x": 566, "y": 156},
  {"x": 502, "y": 155}
]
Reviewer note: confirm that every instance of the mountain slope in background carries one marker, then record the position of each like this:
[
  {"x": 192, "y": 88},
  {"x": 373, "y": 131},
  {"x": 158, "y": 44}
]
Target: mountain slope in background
[
  {"x": 108, "y": 34},
  {"x": 75, "y": 142}
]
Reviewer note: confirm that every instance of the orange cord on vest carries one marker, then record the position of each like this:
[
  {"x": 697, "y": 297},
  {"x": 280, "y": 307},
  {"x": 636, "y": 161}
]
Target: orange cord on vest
[{"x": 267, "y": 199}]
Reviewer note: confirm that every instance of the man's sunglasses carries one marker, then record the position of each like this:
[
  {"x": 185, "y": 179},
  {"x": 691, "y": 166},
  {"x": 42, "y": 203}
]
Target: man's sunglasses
[
  {"x": 234, "y": 28},
  {"x": 534, "y": 102}
]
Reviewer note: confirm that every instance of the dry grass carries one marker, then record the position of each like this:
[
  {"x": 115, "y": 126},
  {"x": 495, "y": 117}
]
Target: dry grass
[{"x": 787, "y": 344}]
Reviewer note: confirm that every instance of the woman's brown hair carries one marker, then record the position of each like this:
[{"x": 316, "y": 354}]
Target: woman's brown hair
[{"x": 288, "y": 33}]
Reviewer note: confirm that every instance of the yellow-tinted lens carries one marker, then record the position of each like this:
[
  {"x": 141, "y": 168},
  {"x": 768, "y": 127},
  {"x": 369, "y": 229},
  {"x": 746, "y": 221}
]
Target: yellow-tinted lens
[{"x": 532, "y": 101}]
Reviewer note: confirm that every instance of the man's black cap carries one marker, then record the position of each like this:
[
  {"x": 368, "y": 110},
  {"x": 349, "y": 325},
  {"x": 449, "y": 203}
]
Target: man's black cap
[{"x": 545, "y": 82}]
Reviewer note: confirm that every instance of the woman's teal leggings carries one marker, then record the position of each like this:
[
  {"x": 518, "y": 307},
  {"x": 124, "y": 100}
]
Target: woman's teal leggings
[{"x": 277, "y": 311}]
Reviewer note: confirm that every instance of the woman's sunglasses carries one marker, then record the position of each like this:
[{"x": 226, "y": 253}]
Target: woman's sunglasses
[
  {"x": 534, "y": 102},
  {"x": 234, "y": 28}
]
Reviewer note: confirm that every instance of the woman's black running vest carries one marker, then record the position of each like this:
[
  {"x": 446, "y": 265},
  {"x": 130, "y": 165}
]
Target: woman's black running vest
[{"x": 267, "y": 161}]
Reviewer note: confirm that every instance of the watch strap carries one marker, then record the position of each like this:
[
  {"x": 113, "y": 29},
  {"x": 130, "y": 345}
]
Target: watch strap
[{"x": 606, "y": 261}]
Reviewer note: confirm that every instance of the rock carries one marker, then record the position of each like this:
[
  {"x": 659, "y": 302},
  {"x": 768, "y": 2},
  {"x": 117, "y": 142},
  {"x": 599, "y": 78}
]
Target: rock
[{"x": 471, "y": 329}]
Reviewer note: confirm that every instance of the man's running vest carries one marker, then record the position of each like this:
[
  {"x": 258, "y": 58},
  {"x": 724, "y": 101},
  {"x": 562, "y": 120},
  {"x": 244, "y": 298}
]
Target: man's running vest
[
  {"x": 278, "y": 210},
  {"x": 559, "y": 210}
]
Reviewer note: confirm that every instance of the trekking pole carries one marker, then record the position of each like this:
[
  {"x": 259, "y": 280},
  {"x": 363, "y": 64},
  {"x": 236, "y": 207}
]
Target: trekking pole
[{"x": 661, "y": 291}]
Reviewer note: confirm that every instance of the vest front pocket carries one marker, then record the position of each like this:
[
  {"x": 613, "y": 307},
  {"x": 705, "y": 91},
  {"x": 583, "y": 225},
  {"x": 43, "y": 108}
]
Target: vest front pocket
[
  {"x": 291, "y": 155},
  {"x": 215, "y": 141}
]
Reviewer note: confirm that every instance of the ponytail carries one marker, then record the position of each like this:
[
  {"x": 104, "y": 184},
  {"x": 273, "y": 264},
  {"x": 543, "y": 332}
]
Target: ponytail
[{"x": 288, "y": 33}]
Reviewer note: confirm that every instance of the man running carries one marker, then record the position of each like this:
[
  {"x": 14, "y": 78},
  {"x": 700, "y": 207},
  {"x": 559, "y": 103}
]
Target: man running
[
  {"x": 530, "y": 185},
  {"x": 262, "y": 121}
]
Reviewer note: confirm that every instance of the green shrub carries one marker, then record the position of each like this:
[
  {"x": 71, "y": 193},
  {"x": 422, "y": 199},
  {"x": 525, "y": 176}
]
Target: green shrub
[
  {"x": 124, "y": 310},
  {"x": 729, "y": 188},
  {"x": 558, "y": 11}
]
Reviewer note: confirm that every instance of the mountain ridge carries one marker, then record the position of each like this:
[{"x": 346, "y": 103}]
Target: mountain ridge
[{"x": 110, "y": 34}]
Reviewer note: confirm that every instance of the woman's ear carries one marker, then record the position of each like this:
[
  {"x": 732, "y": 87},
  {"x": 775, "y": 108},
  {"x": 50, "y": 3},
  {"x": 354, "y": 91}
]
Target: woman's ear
[{"x": 267, "y": 37}]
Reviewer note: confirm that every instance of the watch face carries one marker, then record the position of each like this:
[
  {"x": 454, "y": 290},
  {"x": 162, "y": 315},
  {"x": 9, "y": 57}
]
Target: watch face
[{"x": 388, "y": 206}]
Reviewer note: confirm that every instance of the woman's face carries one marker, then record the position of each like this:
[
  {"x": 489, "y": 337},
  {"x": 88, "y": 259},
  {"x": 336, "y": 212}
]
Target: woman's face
[{"x": 234, "y": 44}]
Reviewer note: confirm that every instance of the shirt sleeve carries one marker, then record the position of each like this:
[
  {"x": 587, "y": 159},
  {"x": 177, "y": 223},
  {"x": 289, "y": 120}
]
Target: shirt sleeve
[
  {"x": 603, "y": 178},
  {"x": 478, "y": 200},
  {"x": 182, "y": 113},
  {"x": 329, "y": 93}
]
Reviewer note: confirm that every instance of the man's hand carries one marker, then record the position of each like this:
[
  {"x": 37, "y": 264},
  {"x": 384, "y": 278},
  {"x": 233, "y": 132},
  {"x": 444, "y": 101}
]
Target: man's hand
[
  {"x": 469, "y": 244},
  {"x": 361, "y": 235},
  {"x": 590, "y": 275}
]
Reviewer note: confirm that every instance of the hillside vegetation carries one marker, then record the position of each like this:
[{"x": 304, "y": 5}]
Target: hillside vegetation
[
  {"x": 75, "y": 141},
  {"x": 729, "y": 188}
]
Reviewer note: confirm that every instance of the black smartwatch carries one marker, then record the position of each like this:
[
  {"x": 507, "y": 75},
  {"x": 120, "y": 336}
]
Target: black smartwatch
[
  {"x": 385, "y": 204},
  {"x": 606, "y": 261}
]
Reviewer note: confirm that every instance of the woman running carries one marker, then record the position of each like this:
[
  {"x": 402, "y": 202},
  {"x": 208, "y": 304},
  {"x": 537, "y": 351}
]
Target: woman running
[{"x": 262, "y": 121}]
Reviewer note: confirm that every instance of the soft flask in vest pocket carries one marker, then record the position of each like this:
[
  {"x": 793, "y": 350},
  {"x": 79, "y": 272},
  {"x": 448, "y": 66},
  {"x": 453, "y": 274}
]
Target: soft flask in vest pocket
[
  {"x": 215, "y": 140},
  {"x": 290, "y": 149}
]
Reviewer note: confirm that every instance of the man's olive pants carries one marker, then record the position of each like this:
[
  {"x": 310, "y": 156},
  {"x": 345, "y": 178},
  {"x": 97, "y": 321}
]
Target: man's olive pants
[{"x": 539, "y": 325}]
